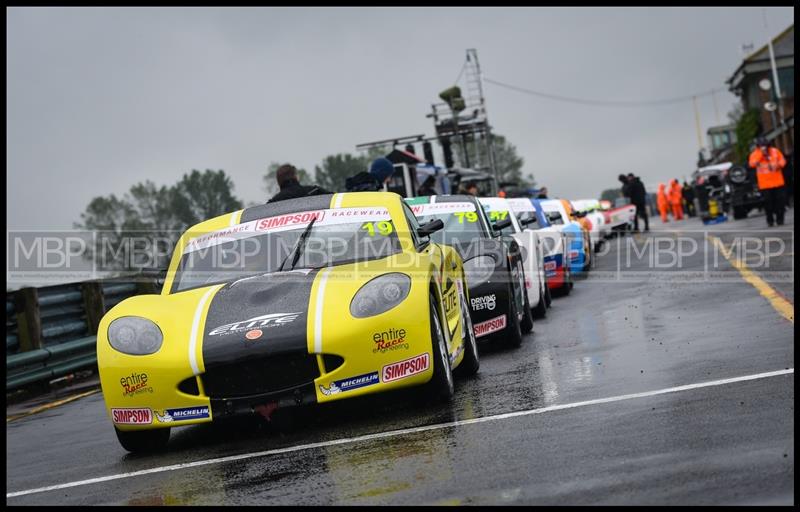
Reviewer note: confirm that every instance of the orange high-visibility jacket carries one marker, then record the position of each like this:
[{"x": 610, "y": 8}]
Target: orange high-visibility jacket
[
  {"x": 769, "y": 168},
  {"x": 675, "y": 192},
  {"x": 661, "y": 197}
]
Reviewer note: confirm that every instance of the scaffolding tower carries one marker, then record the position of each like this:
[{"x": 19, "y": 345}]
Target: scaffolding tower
[{"x": 471, "y": 124}]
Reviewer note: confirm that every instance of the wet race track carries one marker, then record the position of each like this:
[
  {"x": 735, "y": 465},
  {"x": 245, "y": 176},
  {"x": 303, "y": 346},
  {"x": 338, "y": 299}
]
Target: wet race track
[{"x": 649, "y": 384}]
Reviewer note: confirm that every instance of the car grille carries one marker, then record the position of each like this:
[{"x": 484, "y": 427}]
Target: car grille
[{"x": 265, "y": 375}]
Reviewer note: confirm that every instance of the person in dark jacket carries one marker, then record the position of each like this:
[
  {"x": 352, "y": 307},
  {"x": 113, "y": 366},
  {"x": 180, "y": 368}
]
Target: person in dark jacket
[
  {"x": 380, "y": 172},
  {"x": 688, "y": 196},
  {"x": 638, "y": 197},
  {"x": 426, "y": 189},
  {"x": 626, "y": 188},
  {"x": 291, "y": 188},
  {"x": 542, "y": 193}
]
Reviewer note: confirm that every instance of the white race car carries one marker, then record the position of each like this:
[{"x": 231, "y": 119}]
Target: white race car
[
  {"x": 498, "y": 209},
  {"x": 593, "y": 213},
  {"x": 621, "y": 217},
  {"x": 532, "y": 217}
]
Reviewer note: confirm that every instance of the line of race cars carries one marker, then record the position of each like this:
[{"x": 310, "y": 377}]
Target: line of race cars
[{"x": 336, "y": 296}]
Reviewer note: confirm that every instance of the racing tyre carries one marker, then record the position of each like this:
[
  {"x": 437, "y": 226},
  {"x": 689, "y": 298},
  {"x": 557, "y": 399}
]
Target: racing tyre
[
  {"x": 548, "y": 295},
  {"x": 540, "y": 311},
  {"x": 526, "y": 324},
  {"x": 739, "y": 212},
  {"x": 143, "y": 441},
  {"x": 441, "y": 384},
  {"x": 470, "y": 364},
  {"x": 513, "y": 331},
  {"x": 567, "y": 286}
]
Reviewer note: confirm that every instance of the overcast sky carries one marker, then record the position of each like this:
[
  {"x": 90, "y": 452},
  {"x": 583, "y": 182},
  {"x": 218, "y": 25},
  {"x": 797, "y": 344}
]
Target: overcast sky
[{"x": 99, "y": 99}]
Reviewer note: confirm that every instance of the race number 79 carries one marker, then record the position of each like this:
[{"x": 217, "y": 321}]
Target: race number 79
[{"x": 470, "y": 216}]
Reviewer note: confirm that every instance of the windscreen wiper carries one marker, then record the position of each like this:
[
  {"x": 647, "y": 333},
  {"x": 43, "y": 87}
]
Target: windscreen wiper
[{"x": 297, "y": 249}]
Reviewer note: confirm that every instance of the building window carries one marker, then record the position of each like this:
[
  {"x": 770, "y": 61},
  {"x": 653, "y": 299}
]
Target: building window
[{"x": 786, "y": 79}]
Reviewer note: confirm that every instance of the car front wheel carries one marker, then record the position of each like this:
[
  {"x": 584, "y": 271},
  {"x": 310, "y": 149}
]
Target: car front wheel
[
  {"x": 441, "y": 383},
  {"x": 143, "y": 441},
  {"x": 470, "y": 364}
]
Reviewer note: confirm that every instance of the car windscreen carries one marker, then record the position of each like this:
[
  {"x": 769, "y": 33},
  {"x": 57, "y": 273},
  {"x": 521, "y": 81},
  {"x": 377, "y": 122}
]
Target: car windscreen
[
  {"x": 497, "y": 209},
  {"x": 462, "y": 221},
  {"x": 338, "y": 236}
]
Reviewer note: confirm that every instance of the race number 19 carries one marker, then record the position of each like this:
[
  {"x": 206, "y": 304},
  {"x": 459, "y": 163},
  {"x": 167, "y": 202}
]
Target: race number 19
[{"x": 383, "y": 227}]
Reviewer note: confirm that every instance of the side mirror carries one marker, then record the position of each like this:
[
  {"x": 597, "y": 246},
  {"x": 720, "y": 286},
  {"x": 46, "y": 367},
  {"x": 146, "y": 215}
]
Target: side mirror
[
  {"x": 501, "y": 224},
  {"x": 529, "y": 220},
  {"x": 580, "y": 214},
  {"x": 430, "y": 227},
  {"x": 554, "y": 216}
]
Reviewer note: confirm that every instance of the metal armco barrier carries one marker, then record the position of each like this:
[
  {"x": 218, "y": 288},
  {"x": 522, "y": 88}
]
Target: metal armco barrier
[
  {"x": 12, "y": 341},
  {"x": 52, "y": 331}
]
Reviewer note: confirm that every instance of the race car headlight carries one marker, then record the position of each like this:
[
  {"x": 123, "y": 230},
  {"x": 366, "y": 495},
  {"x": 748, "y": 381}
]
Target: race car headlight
[
  {"x": 738, "y": 175},
  {"x": 380, "y": 295},
  {"x": 135, "y": 335},
  {"x": 478, "y": 269}
]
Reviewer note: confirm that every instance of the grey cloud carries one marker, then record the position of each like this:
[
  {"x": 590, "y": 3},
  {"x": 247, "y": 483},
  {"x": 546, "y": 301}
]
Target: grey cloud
[{"x": 101, "y": 98}]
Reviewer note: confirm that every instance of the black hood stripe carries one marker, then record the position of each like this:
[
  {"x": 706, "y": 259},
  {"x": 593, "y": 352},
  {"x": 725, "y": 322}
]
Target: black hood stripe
[{"x": 258, "y": 317}]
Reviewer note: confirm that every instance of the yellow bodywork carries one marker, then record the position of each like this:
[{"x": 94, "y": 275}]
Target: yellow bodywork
[{"x": 331, "y": 329}]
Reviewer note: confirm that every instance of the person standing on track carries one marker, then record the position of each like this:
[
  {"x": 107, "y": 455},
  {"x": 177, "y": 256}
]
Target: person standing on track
[
  {"x": 769, "y": 163},
  {"x": 688, "y": 197},
  {"x": 663, "y": 202},
  {"x": 638, "y": 196},
  {"x": 675, "y": 199}
]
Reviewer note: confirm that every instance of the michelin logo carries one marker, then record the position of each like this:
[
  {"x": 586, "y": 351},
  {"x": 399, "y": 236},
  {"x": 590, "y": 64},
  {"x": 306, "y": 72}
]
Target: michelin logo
[
  {"x": 186, "y": 413},
  {"x": 339, "y": 386}
]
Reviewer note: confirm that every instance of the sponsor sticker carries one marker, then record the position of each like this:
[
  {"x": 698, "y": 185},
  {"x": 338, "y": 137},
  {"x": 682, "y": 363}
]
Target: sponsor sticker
[
  {"x": 439, "y": 208},
  {"x": 573, "y": 254},
  {"x": 457, "y": 353},
  {"x": 521, "y": 204},
  {"x": 390, "y": 339},
  {"x": 451, "y": 302},
  {"x": 485, "y": 302},
  {"x": 287, "y": 222},
  {"x": 406, "y": 368},
  {"x": 141, "y": 416},
  {"x": 256, "y": 323},
  {"x": 182, "y": 414},
  {"x": 490, "y": 326},
  {"x": 340, "y": 386},
  {"x": 292, "y": 219},
  {"x": 135, "y": 384},
  {"x": 254, "y": 334}
]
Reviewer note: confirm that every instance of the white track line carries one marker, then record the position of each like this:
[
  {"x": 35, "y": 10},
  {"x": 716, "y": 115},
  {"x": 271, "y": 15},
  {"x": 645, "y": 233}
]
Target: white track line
[{"x": 401, "y": 432}]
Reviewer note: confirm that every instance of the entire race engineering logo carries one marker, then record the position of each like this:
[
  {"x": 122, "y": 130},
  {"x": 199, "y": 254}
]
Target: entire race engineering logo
[
  {"x": 258, "y": 322},
  {"x": 490, "y": 326},
  {"x": 407, "y": 368},
  {"x": 339, "y": 386},
  {"x": 391, "y": 339},
  {"x": 132, "y": 416},
  {"x": 135, "y": 384}
]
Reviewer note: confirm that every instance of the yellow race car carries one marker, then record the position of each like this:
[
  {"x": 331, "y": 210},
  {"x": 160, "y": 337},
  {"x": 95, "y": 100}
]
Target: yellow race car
[{"x": 283, "y": 304}]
